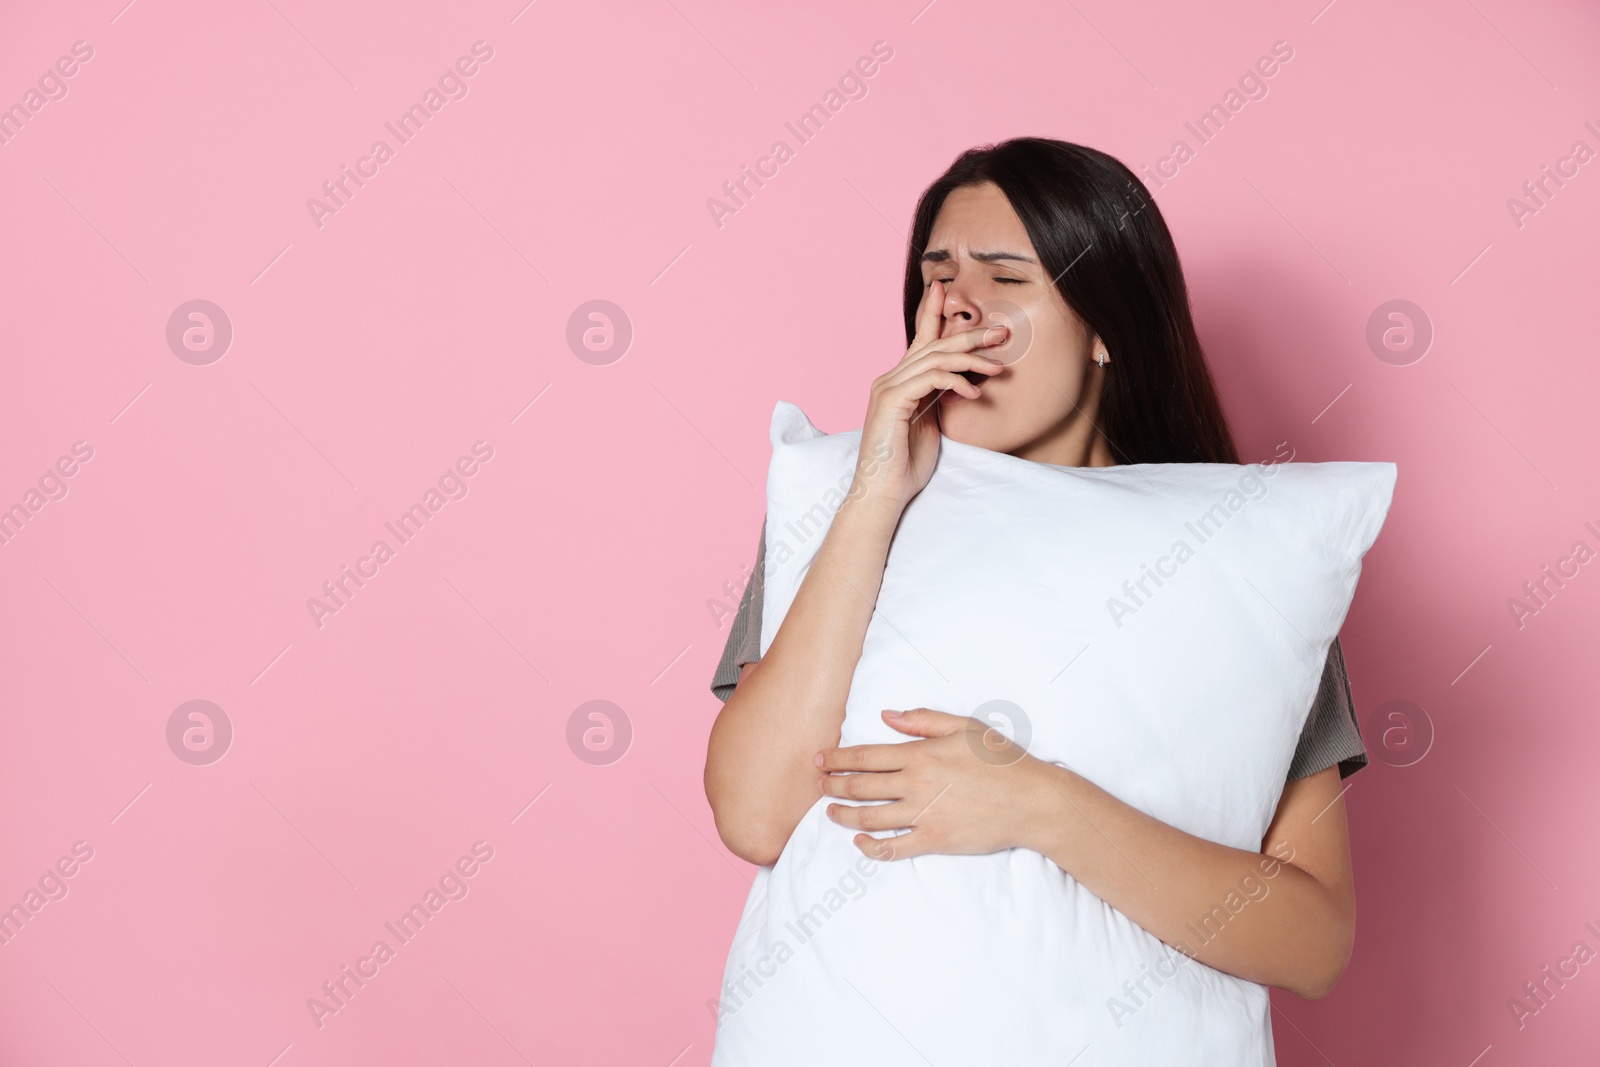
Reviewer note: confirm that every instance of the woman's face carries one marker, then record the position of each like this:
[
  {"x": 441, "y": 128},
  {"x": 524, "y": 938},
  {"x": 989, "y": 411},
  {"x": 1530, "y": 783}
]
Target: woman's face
[{"x": 1042, "y": 405}]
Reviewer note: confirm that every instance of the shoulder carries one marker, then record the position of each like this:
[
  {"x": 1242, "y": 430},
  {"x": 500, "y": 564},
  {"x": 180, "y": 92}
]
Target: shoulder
[{"x": 1332, "y": 732}]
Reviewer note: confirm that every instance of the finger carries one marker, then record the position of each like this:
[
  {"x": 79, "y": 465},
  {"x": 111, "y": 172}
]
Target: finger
[
  {"x": 868, "y": 785},
  {"x": 967, "y": 340},
  {"x": 895, "y": 816},
  {"x": 923, "y": 722},
  {"x": 898, "y": 847},
  {"x": 862, "y": 758},
  {"x": 929, "y": 314},
  {"x": 930, "y": 402},
  {"x": 939, "y": 359},
  {"x": 931, "y": 382}
]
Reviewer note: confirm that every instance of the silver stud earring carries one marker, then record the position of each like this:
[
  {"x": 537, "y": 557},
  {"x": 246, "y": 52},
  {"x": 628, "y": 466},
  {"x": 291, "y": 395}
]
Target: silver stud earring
[{"x": 1100, "y": 359}]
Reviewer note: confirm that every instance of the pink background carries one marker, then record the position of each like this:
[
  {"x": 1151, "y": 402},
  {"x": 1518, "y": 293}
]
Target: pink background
[{"x": 371, "y": 352}]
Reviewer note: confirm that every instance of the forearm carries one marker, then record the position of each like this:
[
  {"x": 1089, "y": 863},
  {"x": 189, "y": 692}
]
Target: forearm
[
  {"x": 759, "y": 777},
  {"x": 1256, "y": 916}
]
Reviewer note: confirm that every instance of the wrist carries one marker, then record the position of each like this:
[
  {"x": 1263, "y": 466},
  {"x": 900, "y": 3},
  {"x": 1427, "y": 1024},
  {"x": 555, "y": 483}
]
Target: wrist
[
  {"x": 1051, "y": 815},
  {"x": 871, "y": 505}
]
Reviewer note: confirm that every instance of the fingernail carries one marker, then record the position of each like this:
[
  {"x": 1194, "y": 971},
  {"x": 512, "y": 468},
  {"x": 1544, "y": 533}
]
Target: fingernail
[
  {"x": 896, "y": 714},
  {"x": 817, "y": 759}
]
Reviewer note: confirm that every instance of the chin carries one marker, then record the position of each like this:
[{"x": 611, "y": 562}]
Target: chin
[{"x": 972, "y": 422}]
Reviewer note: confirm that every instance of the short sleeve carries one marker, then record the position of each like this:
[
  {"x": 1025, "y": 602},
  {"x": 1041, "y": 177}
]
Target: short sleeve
[
  {"x": 744, "y": 636},
  {"x": 1332, "y": 733}
]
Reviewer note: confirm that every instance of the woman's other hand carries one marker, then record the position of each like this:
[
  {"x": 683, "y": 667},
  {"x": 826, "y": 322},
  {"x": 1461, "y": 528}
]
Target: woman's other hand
[{"x": 959, "y": 789}]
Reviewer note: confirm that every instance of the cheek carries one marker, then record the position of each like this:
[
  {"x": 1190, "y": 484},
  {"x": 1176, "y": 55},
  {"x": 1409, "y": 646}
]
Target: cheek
[
  {"x": 1051, "y": 366},
  {"x": 1046, "y": 334},
  {"x": 1040, "y": 396},
  {"x": 1042, "y": 387}
]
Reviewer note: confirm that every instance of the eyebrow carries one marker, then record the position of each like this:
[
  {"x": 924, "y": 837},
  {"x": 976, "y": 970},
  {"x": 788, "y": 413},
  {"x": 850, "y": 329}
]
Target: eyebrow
[{"x": 940, "y": 255}]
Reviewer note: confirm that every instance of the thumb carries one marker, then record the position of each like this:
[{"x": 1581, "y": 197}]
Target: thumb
[{"x": 923, "y": 722}]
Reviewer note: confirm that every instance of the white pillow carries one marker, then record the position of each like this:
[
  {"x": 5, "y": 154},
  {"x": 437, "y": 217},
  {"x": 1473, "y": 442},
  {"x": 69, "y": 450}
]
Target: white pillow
[{"x": 1160, "y": 629}]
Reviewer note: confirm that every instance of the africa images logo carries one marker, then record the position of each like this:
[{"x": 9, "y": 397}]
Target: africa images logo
[{"x": 452, "y": 85}]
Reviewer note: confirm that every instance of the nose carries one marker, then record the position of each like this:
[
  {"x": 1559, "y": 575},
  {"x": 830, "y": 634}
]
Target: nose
[{"x": 961, "y": 312}]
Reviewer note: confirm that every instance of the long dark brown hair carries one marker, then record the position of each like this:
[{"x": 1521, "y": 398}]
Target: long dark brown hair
[{"x": 1099, "y": 234}]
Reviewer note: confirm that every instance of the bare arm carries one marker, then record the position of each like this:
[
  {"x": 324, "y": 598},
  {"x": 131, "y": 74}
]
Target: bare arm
[
  {"x": 1284, "y": 916},
  {"x": 759, "y": 777}
]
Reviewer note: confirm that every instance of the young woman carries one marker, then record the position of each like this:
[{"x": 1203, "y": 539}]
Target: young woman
[{"x": 1068, "y": 239}]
